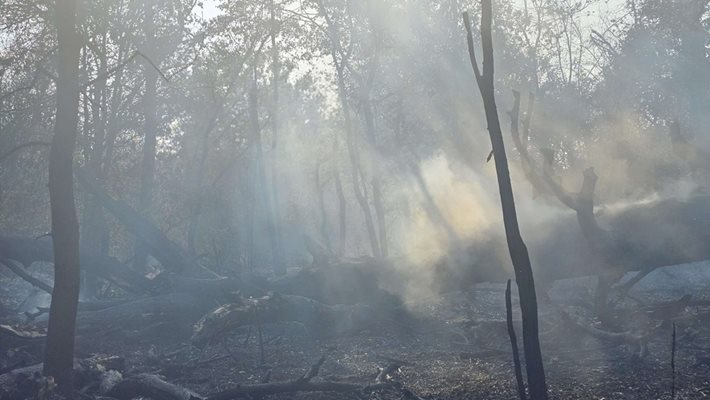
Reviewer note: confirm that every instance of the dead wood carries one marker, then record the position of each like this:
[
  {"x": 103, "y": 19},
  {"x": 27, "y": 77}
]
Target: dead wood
[
  {"x": 319, "y": 318},
  {"x": 29, "y": 250},
  {"x": 673, "y": 363},
  {"x": 637, "y": 340},
  {"x": 305, "y": 384},
  {"x": 26, "y": 382},
  {"x": 167, "y": 252},
  {"x": 514, "y": 342},
  {"x": 641, "y": 238},
  {"x": 152, "y": 386},
  {"x": 262, "y": 389},
  {"x": 516, "y": 246},
  {"x": 15, "y": 267},
  {"x": 340, "y": 281}
]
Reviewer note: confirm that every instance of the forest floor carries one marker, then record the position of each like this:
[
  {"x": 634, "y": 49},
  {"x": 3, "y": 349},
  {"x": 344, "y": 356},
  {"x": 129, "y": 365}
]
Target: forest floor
[
  {"x": 462, "y": 353},
  {"x": 461, "y": 350}
]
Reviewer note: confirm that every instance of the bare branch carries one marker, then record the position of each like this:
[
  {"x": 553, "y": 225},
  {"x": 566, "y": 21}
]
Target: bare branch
[
  {"x": 22, "y": 146},
  {"x": 16, "y": 267}
]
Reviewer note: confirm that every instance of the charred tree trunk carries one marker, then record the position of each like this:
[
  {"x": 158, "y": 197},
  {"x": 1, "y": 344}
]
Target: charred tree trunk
[
  {"x": 516, "y": 246},
  {"x": 514, "y": 342},
  {"x": 59, "y": 353}
]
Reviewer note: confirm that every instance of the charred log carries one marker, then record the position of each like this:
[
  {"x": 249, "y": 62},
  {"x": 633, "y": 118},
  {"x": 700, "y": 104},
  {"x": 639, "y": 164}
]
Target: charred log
[
  {"x": 167, "y": 252},
  {"x": 321, "y": 319}
]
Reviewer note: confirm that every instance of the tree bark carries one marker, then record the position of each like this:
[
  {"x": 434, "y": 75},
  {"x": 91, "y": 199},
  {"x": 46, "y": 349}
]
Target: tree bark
[
  {"x": 516, "y": 246},
  {"x": 514, "y": 342},
  {"x": 147, "y": 175},
  {"x": 276, "y": 76},
  {"x": 261, "y": 181},
  {"x": 353, "y": 153},
  {"x": 167, "y": 252},
  {"x": 59, "y": 353}
]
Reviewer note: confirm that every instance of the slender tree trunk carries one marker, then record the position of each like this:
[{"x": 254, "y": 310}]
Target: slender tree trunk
[
  {"x": 147, "y": 175},
  {"x": 261, "y": 182},
  {"x": 321, "y": 207},
  {"x": 111, "y": 122},
  {"x": 276, "y": 76},
  {"x": 59, "y": 353},
  {"x": 197, "y": 196},
  {"x": 342, "y": 209},
  {"x": 376, "y": 183},
  {"x": 355, "y": 168},
  {"x": 516, "y": 246},
  {"x": 94, "y": 229}
]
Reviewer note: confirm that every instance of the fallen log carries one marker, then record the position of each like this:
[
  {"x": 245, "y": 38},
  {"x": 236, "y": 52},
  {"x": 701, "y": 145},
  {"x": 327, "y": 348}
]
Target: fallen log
[
  {"x": 27, "y": 382},
  {"x": 304, "y": 384},
  {"x": 151, "y": 386},
  {"x": 101, "y": 376},
  {"x": 14, "y": 266},
  {"x": 321, "y": 319},
  {"x": 637, "y": 340},
  {"x": 353, "y": 281},
  {"x": 29, "y": 250},
  {"x": 167, "y": 252},
  {"x": 169, "y": 316}
]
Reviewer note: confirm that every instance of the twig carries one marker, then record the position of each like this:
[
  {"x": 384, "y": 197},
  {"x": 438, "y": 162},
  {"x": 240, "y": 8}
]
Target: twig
[
  {"x": 229, "y": 351},
  {"x": 514, "y": 342},
  {"x": 112, "y": 71},
  {"x": 262, "y": 355},
  {"x": 673, "y": 364},
  {"x": 312, "y": 371},
  {"x": 152, "y": 64},
  {"x": 15, "y": 267}
]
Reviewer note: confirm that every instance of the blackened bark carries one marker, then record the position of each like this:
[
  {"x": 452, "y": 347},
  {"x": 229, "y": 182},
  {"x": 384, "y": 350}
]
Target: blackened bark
[
  {"x": 59, "y": 353},
  {"x": 167, "y": 252},
  {"x": 514, "y": 342},
  {"x": 516, "y": 246}
]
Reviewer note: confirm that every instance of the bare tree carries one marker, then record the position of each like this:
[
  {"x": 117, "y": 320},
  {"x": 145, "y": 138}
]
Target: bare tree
[
  {"x": 59, "y": 353},
  {"x": 260, "y": 181},
  {"x": 516, "y": 246},
  {"x": 340, "y": 61}
]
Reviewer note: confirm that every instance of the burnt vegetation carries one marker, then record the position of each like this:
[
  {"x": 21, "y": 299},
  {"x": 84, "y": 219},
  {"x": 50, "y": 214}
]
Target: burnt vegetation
[{"x": 378, "y": 199}]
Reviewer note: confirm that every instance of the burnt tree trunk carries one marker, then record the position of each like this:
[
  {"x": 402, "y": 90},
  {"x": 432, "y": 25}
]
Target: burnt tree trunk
[
  {"x": 516, "y": 246},
  {"x": 59, "y": 353}
]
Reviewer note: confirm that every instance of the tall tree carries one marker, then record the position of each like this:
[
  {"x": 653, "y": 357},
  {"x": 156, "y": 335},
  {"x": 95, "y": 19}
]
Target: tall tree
[
  {"x": 516, "y": 246},
  {"x": 59, "y": 353},
  {"x": 340, "y": 63},
  {"x": 147, "y": 176}
]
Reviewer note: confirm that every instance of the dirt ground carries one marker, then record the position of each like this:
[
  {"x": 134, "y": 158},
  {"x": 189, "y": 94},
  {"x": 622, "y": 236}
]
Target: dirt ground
[
  {"x": 456, "y": 348},
  {"x": 460, "y": 352}
]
